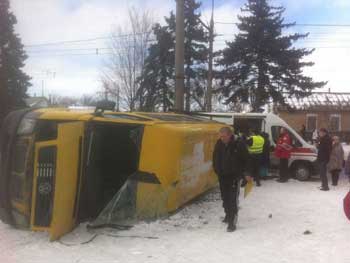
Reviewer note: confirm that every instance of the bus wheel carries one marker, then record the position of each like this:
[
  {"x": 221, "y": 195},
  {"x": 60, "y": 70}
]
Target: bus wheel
[{"x": 302, "y": 172}]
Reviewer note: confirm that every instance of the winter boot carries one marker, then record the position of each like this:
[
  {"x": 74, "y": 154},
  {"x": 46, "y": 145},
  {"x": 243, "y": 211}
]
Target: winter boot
[{"x": 231, "y": 227}]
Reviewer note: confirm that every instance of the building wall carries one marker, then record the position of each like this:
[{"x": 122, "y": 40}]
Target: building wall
[
  {"x": 297, "y": 118},
  {"x": 345, "y": 121},
  {"x": 294, "y": 119}
]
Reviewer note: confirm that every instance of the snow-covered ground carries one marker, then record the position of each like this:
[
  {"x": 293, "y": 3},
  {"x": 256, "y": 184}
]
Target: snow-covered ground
[{"x": 271, "y": 227}]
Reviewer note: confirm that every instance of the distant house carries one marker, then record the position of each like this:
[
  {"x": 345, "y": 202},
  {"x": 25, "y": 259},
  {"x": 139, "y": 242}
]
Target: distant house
[
  {"x": 37, "y": 102},
  {"x": 329, "y": 110}
]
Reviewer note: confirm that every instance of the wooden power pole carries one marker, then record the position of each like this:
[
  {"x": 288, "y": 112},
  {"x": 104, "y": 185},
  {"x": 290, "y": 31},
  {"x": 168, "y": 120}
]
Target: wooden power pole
[{"x": 179, "y": 55}]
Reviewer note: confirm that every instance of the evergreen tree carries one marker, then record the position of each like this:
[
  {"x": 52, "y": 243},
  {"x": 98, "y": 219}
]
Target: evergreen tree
[
  {"x": 13, "y": 81},
  {"x": 157, "y": 80},
  {"x": 261, "y": 63},
  {"x": 196, "y": 51}
]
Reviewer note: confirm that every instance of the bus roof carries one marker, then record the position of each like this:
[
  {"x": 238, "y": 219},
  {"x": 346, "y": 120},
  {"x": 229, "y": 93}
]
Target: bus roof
[{"x": 127, "y": 117}]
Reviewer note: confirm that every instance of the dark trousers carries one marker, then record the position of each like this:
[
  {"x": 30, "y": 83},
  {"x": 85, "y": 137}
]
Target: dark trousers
[
  {"x": 230, "y": 197},
  {"x": 284, "y": 174},
  {"x": 323, "y": 174},
  {"x": 335, "y": 176},
  {"x": 255, "y": 165}
]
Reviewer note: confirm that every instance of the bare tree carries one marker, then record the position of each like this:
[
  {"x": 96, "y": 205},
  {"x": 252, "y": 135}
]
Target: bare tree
[
  {"x": 122, "y": 72},
  {"x": 88, "y": 100}
]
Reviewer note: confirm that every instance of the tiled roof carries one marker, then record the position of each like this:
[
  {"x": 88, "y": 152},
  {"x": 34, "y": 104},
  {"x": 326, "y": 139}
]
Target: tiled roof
[{"x": 321, "y": 100}]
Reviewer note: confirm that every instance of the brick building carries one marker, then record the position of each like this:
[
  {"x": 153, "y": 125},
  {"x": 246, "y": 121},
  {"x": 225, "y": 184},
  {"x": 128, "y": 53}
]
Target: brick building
[{"x": 328, "y": 110}]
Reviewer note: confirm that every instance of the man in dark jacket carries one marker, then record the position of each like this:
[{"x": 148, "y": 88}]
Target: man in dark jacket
[
  {"x": 229, "y": 160},
  {"x": 265, "y": 159},
  {"x": 324, "y": 152}
]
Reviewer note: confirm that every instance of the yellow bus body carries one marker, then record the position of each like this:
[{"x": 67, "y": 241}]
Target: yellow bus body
[{"x": 66, "y": 148}]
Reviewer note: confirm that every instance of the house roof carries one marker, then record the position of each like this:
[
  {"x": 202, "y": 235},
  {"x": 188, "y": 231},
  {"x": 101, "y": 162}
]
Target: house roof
[{"x": 321, "y": 101}]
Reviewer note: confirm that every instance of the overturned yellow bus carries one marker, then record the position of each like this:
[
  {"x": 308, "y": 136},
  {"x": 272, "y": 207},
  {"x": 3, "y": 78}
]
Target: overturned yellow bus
[{"x": 60, "y": 167}]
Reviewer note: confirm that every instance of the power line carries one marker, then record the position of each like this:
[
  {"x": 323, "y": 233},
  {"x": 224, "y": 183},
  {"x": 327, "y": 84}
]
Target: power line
[
  {"x": 296, "y": 24},
  {"x": 72, "y": 54},
  {"x": 68, "y": 49},
  {"x": 66, "y": 42},
  {"x": 323, "y": 25},
  {"x": 85, "y": 40}
]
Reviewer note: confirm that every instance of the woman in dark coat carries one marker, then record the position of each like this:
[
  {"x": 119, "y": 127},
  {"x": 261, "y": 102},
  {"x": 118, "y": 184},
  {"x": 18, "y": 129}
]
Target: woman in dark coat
[{"x": 336, "y": 160}]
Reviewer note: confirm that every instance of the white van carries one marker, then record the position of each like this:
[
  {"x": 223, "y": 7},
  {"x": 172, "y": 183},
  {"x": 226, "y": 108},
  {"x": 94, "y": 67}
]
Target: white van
[{"x": 302, "y": 163}]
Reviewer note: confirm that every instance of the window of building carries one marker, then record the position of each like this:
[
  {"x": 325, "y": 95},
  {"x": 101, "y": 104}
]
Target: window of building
[
  {"x": 311, "y": 122},
  {"x": 334, "y": 123}
]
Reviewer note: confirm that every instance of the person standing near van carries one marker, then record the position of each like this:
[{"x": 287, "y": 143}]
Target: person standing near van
[
  {"x": 265, "y": 158},
  {"x": 347, "y": 167},
  {"x": 336, "y": 160},
  {"x": 323, "y": 156},
  {"x": 255, "y": 148},
  {"x": 283, "y": 153},
  {"x": 229, "y": 161}
]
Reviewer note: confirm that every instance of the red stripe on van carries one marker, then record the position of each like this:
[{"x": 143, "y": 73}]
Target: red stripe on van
[{"x": 302, "y": 150}]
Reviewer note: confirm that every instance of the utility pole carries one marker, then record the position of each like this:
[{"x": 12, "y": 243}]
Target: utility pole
[
  {"x": 210, "y": 60},
  {"x": 179, "y": 55},
  {"x": 118, "y": 99},
  {"x": 42, "y": 88}
]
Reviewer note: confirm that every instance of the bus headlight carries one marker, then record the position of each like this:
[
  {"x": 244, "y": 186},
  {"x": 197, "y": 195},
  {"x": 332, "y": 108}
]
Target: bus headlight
[{"x": 26, "y": 126}]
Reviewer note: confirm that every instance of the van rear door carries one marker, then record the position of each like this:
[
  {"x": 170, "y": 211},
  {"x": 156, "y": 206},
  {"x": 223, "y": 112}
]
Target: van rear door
[
  {"x": 244, "y": 124},
  {"x": 56, "y": 180}
]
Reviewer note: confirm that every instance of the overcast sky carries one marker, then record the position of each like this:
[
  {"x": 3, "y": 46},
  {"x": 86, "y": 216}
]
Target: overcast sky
[{"x": 74, "y": 69}]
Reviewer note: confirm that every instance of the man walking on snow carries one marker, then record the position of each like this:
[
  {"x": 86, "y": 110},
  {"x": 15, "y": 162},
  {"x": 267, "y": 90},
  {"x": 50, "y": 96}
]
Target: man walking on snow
[{"x": 229, "y": 160}]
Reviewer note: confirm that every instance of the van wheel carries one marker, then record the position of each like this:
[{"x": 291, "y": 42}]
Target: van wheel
[{"x": 302, "y": 172}]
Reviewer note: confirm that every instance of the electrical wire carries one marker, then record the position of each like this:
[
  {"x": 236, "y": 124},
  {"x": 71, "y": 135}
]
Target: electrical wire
[
  {"x": 296, "y": 24},
  {"x": 85, "y": 40}
]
